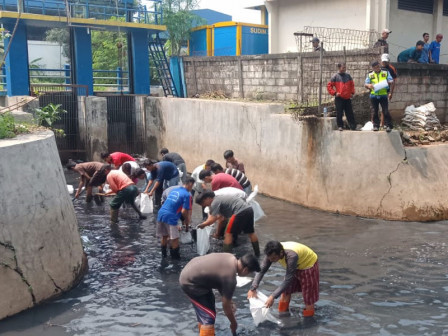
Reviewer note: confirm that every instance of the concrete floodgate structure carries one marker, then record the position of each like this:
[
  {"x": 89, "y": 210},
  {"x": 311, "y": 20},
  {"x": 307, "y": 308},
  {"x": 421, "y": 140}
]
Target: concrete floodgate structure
[
  {"x": 41, "y": 254},
  {"x": 369, "y": 174}
]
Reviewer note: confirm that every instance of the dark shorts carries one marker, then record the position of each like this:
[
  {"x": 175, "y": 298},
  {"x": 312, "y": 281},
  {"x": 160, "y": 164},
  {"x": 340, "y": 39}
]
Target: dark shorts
[
  {"x": 307, "y": 282},
  {"x": 241, "y": 222},
  {"x": 204, "y": 306},
  {"x": 127, "y": 195}
]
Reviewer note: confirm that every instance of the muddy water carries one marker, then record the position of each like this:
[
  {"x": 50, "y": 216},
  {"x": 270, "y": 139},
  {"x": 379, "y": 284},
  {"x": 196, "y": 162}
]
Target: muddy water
[{"x": 377, "y": 278}]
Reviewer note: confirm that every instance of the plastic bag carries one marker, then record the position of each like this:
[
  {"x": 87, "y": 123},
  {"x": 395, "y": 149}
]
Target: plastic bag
[
  {"x": 185, "y": 238},
  {"x": 258, "y": 211},
  {"x": 259, "y": 312},
  {"x": 368, "y": 126},
  {"x": 242, "y": 281},
  {"x": 203, "y": 240},
  {"x": 146, "y": 206},
  {"x": 70, "y": 189},
  {"x": 252, "y": 194}
]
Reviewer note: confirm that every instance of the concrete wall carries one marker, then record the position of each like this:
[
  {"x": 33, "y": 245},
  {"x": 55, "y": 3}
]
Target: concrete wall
[
  {"x": 295, "y": 77},
  {"x": 290, "y": 16},
  {"x": 358, "y": 173},
  {"x": 92, "y": 122},
  {"x": 41, "y": 254},
  {"x": 407, "y": 28}
]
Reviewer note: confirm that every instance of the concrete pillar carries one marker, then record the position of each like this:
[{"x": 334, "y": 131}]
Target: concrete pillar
[
  {"x": 92, "y": 118},
  {"x": 17, "y": 74},
  {"x": 272, "y": 7},
  {"x": 140, "y": 62},
  {"x": 437, "y": 24},
  {"x": 41, "y": 255},
  {"x": 82, "y": 48}
]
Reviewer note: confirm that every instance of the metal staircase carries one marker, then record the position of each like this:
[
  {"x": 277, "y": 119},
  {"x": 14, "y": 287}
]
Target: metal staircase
[{"x": 161, "y": 64}]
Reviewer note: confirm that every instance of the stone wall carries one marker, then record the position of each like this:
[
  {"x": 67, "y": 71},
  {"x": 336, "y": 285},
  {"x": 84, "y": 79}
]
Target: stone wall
[
  {"x": 419, "y": 84},
  {"x": 282, "y": 77},
  {"x": 367, "y": 174},
  {"x": 296, "y": 77},
  {"x": 41, "y": 254}
]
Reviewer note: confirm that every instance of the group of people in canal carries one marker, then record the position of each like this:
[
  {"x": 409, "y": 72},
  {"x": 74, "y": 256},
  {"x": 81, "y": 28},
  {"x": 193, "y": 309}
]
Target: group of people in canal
[{"x": 222, "y": 195}]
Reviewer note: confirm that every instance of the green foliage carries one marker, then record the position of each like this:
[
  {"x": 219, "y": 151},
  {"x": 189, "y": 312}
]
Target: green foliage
[
  {"x": 61, "y": 36},
  {"x": 6, "y": 125},
  {"x": 47, "y": 115},
  {"x": 179, "y": 20}
]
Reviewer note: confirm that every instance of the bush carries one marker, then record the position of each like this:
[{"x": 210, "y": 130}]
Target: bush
[{"x": 7, "y": 126}]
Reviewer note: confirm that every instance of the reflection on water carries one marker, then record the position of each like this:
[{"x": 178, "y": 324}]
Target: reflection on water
[{"x": 377, "y": 278}]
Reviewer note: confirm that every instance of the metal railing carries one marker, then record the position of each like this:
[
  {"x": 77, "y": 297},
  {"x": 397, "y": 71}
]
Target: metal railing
[
  {"x": 3, "y": 84},
  {"x": 111, "y": 80},
  {"x": 103, "y": 80},
  {"x": 151, "y": 13}
]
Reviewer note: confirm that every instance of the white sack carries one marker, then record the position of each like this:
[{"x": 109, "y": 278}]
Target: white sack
[
  {"x": 146, "y": 205},
  {"x": 203, "y": 240},
  {"x": 259, "y": 312}
]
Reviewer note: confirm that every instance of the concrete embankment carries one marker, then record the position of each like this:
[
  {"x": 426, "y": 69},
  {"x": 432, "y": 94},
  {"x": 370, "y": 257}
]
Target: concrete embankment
[
  {"x": 41, "y": 254},
  {"x": 367, "y": 174}
]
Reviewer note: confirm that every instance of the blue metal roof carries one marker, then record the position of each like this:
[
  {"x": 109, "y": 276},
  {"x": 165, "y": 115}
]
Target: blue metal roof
[{"x": 211, "y": 16}]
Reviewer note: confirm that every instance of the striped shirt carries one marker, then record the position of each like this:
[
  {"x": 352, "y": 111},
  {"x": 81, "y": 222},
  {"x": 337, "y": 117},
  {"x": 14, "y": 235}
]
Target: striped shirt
[{"x": 239, "y": 176}]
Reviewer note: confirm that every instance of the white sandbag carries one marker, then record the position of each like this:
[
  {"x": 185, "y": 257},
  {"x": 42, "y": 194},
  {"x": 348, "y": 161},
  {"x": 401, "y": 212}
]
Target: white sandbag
[
  {"x": 146, "y": 204},
  {"x": 231, "y": 191},
  {"x": 252, "y": 194},
  {"x": 258, "y": 310},
  {"x": 185, "y": 237},
  {"x": 70, "y": 189},
  {"x": 203, "y": 240},
  {"x": 106, "y": 188},
  {"x": 242, "y": 281},
  {"x": 258, "y": 211},
  {"x": 368, "y": 126}
]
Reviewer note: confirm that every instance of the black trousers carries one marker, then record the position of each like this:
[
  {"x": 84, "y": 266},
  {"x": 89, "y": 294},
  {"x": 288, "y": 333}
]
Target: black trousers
[
  {"x": 384, "y": 102},
  {"x": 341, "y": 106}
]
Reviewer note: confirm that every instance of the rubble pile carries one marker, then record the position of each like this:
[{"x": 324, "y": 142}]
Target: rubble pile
[{"x": 422, "y": 118}]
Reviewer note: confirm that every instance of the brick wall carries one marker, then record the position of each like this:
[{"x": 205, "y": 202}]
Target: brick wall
[{"x": 296, "y": 77}]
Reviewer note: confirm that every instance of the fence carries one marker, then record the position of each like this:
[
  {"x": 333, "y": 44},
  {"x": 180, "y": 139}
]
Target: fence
[
  {"x": 72, "y": 144},
  {"x": 335, "y": 39},
  {"x": 151, "y": 13},
  {"x": 125, "y": 122}
]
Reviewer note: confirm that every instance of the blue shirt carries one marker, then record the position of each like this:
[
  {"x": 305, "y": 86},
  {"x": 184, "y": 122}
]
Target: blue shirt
[
  {"x": 424, "y": 58},
  {"x": 165, "y": 170},
  {"x": 434, "y": 48},
  {"x": 178, "y": 199},
  {"x": 411, "y": 53}
]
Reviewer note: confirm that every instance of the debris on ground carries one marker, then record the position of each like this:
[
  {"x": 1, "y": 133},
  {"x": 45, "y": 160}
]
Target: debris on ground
[
  {"x": 416, "y": 138},
  {"x": 214, "y": 95},
  {"x": 422, "y": 118}
]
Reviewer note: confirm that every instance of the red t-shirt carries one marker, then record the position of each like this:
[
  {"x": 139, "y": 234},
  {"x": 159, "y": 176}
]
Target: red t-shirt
[
  {"x": 222, "y": 180},
  {"x": 119, "y": 158}
]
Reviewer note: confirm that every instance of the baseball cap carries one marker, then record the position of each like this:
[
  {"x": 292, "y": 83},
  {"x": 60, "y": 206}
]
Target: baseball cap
[
  {"x": 315, "y": 40},
  {"x": 387, "y": 31},
  {"x": 385, "y": 58}
]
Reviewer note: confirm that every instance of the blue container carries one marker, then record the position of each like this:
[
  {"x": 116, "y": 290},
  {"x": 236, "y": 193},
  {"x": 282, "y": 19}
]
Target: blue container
[{"x": 229, "y": 39}]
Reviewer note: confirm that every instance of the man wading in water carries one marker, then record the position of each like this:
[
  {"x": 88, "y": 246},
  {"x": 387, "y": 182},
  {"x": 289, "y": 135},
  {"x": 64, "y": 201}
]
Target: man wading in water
[
  {"x": 214, "y": 271},
  {"x": 302, "y": 275}
]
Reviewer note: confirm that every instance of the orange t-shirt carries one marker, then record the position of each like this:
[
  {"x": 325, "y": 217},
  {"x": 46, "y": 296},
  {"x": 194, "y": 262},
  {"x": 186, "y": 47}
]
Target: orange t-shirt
[{"x": 118, "y": 180}]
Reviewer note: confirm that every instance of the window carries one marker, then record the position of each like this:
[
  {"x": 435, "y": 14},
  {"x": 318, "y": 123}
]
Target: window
[
  {"x": 445, "y": 7},
  {"x": 421, "y": 6}
]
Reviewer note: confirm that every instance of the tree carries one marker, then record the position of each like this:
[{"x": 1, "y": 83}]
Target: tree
[
  {"x": 61, "y": 36},
  {"x": 179, "y": 20}
]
